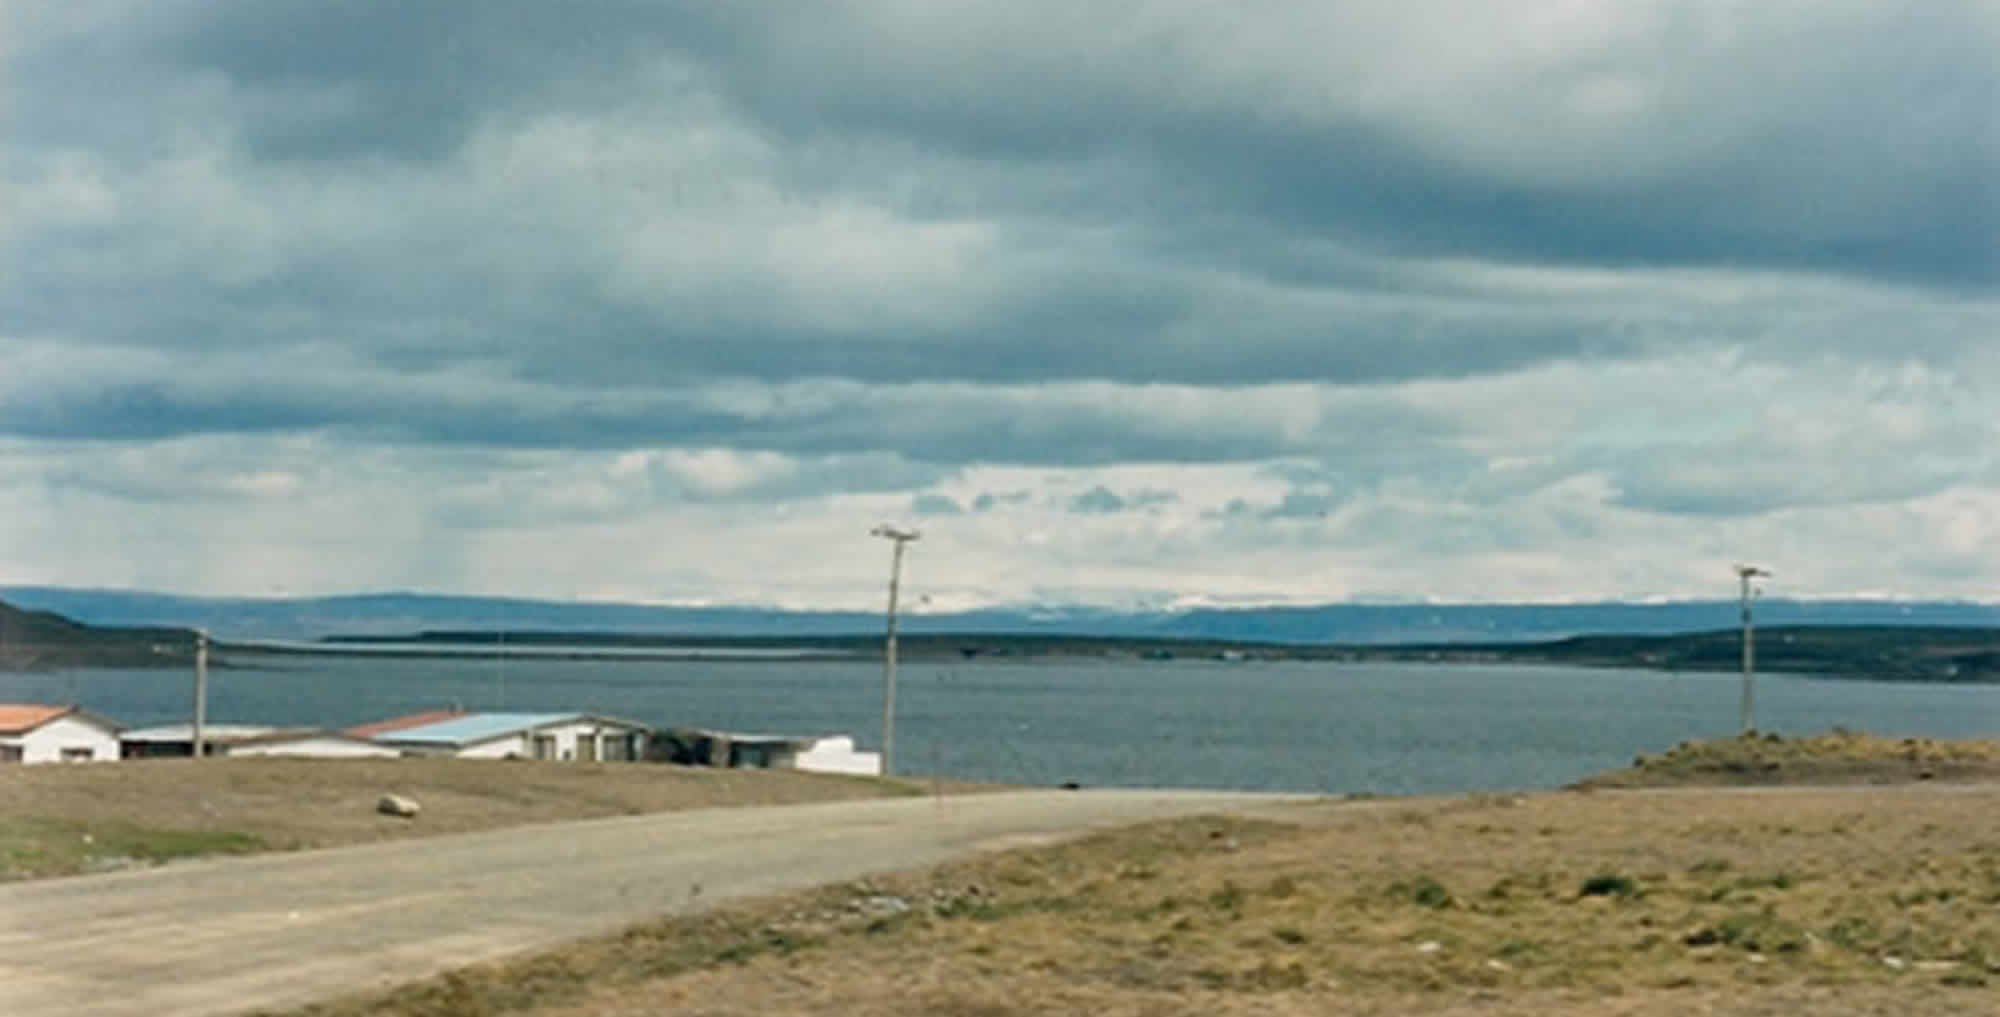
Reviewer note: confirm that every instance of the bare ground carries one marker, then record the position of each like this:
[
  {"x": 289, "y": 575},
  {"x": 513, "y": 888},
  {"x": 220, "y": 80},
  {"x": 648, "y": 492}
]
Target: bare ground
[
  {"x": 57, "y": 820},
  {"x": 1627, "y": 904}
]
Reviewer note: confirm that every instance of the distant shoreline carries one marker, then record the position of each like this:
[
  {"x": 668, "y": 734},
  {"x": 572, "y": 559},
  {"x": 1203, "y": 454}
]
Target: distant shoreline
[{"x": 1880, "y": 653}]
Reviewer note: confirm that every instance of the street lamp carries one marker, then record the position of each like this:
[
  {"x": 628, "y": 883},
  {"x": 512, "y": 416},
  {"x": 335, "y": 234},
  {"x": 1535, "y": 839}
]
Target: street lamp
[
  {"x": 1745, "y": 573},
  {"x": 900, "y": 538}
]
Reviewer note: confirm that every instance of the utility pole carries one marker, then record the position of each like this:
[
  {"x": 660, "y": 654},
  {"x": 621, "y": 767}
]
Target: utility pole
[
  {"x": 1745, "y": 573},
  {"x": 900, "y": 538},
  {"x": 200, "y": 690}
]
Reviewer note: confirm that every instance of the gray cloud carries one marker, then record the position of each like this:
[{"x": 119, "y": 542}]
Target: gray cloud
[
  {"x": 987, "y": 501},
  {"x": 1458, "y": 277},
  {"x": 1101, "y": 500},
  {"x": 936, "y": 505},
  {"x": 1097, "y": 501}
]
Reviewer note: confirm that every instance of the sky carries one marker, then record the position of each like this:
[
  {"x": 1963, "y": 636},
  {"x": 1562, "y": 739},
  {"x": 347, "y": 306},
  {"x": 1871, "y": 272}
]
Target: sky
[{"x": 1131, "y": 303}]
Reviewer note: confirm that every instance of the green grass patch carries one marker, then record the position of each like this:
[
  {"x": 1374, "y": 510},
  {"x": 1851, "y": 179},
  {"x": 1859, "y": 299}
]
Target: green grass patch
[
  {"x": 32, "y": 847},
  {"x": 1609, "y": 884}
]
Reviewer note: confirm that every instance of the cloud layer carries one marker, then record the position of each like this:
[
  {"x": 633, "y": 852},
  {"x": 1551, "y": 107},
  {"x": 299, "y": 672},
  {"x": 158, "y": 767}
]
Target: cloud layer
[{"x": 1143, "y": 299}]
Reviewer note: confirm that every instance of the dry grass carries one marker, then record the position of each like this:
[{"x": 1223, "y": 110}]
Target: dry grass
[
  {"x": 1837, "y": 757},
  {"x": 1640, "y": 904},
  {"x": 57, "y": 820}
]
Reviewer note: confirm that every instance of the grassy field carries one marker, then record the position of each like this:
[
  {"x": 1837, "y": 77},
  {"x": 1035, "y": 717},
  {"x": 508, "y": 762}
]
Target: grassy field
[
  {"x": 1837, "y": 757},
  {"x": 61, "y": 820},
  {"x": 1636, "y": 904},
  {"x": 1693, "y": 900}
]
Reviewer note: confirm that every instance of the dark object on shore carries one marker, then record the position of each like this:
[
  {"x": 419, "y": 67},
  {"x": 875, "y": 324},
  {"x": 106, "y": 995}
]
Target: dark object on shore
[{"x": 1070, "y": 785}]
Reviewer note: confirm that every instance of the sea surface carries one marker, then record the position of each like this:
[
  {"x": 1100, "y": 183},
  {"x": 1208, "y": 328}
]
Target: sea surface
[{"x": 1300, "y": 726}]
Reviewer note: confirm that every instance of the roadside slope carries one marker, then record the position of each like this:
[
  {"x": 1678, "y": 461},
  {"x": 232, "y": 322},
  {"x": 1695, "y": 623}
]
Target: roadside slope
[
  {"x": 62, "y": 820},
  {"x": 227, "y": 936}
]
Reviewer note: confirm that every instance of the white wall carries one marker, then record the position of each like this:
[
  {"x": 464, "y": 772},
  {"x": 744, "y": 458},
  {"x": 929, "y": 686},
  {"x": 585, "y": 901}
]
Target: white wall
[
  {"x": 317, "y": 748},
  {"x": 498, "y": 748},
  {"x": 566, "y": 737},
  {"x": 45, "y": 744},
  {"x": 838, "y": 755}
]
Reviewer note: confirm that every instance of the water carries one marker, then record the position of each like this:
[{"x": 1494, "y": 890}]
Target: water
[{"x": 1289, "y": 726}]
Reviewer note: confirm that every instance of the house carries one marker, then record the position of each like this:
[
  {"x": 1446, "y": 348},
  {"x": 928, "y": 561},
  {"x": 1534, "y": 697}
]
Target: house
[
  {"x": 33, "y": 733},
  {"x": 176, "y": 741},
  {"x": 811, "y": 753},
  {"x": 580, "y": 737},
  {"x": 171, "y": 741}
]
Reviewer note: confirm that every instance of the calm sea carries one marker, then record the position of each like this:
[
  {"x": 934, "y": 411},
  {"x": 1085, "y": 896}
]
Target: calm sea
[{"x": 1289, "y": 726}]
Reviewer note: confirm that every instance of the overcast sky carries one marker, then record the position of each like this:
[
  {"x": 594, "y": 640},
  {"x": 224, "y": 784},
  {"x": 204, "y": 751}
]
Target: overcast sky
[{"x": 1118, "y": 302}]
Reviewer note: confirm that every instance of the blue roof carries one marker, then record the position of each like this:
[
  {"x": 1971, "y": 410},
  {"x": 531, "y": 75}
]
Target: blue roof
[{"x": 476, "y": 727}]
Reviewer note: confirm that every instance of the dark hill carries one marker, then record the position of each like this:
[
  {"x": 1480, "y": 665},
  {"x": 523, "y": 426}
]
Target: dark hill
[{"x": 44, "y": 640}]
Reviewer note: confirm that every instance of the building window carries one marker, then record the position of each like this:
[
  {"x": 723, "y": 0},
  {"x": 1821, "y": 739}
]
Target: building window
[
  {"x": 78, "y": 755},
  {"x": 10, "y": 753}
]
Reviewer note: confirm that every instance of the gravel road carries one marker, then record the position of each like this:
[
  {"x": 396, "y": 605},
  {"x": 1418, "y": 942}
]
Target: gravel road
[{"x": 218, "y": 937}]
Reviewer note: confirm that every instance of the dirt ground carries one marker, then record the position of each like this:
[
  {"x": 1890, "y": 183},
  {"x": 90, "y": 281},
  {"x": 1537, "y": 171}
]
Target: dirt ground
[
  {"x": 56, "y": 820},
  {"x": 1848, "y": 903}
]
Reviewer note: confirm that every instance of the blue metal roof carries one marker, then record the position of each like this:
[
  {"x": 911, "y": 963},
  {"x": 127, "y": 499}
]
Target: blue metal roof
[{"x": 476, "y": 727}]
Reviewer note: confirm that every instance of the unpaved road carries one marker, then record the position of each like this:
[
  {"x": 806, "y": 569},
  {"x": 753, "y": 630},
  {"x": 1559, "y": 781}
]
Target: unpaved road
[{"x": 219, "y": 937}]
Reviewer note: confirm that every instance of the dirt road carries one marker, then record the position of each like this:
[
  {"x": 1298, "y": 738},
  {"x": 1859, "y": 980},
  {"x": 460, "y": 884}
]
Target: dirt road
[{"x": 209, "y": 938}]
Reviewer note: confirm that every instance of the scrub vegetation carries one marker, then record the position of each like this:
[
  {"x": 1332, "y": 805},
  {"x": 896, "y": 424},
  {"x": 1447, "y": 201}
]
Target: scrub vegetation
[{"x": 1638, "y": 904}]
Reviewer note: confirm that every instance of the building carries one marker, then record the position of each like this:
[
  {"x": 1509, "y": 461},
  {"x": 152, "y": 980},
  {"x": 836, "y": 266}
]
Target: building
[
  {"x": 579, "y": 737},
  {"x": 811, "y": 753},
  {"x": 176, "y": 741},
  {"x": 312, "y": 743},
  {"x": 33, "y": 733},
  {"x": 382, "y": 727}
]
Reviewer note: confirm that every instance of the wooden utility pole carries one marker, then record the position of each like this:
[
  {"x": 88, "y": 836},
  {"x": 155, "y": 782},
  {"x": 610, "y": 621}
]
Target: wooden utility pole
[
  {"x": 1745, "y": 573},
  {"x": 901, "y": 538},
  {"x": 200, "y": 691}
]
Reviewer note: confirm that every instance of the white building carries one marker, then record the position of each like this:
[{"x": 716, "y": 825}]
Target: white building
[
  {"x": 176, "y": 741},
  {"x": 312, "y": 743},
  {"x": 811, "y": 753},
  {"x": 579, "y": 737},
  {"x": 33, "y": 733},
  {"x": 837, "y": 754}
]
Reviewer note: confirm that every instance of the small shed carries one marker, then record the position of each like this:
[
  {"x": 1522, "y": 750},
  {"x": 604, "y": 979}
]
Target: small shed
[{"x": 35, "y": 733}]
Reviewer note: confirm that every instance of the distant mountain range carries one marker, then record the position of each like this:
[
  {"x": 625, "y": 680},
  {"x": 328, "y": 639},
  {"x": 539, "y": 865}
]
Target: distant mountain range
[{"x": 1347, "y": 624}]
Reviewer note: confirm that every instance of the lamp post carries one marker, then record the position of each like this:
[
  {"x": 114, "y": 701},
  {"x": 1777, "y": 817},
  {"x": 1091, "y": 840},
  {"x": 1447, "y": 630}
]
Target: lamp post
[
  {"x": 1744, "y": 574},
  {"x": 899, "y": 538}
]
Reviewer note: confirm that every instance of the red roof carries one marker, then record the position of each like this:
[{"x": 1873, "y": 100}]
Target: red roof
[
  {"x": 402, "y": 723},
  {"x": 20, "y": 718}
]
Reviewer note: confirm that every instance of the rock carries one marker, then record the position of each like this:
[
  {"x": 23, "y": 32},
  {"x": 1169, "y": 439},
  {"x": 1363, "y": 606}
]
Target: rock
[
  {"x": 1429, "y": 946},
  {"x": 881, "y": 904},
  {"x": 397, "y": 805}
]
